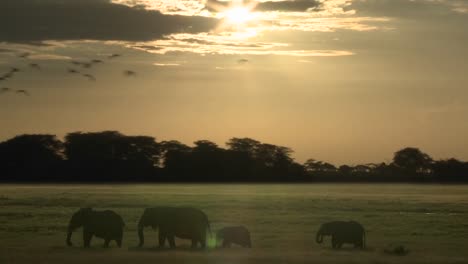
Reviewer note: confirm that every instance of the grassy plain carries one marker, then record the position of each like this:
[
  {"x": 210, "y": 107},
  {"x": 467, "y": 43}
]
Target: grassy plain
[{"x": 430, "y": 220}]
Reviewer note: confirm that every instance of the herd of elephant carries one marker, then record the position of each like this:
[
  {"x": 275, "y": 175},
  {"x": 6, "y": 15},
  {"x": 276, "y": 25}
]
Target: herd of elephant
[{"x": 192, "y": 224}]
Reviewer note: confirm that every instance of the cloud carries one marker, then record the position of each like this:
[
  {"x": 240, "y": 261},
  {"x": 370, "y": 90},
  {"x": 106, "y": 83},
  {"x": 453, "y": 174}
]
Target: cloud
[
  {"x": 179, "y": 7},
  {"x": 289, "y": 5},
  {"x": 205, "y": 44},
  {"x": 6, "y": 50},
  {"x": 30, "y": 21},
  {"x": 410, "y": 8},
  {"x": 49, "y": 57},
  {"x": 199, "y": 7},
  {"x": 157, "y": 26},
  {"x": 160, "y": 64}
]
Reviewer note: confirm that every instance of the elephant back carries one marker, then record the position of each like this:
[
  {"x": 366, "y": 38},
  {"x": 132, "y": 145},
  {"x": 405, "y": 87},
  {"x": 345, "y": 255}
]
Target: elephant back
[
  {"x": 185, "y": 221},
  {"x": 356, "y": 227},
  {"x": 105, "y": 223},
  {"x": 190, "y": 216},
  {"x": 349, "y": 231}
]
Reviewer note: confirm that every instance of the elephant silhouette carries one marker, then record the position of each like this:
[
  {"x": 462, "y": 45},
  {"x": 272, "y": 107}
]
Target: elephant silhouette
[
  {"x": 238, "y": 235},
  {"x": 103, "y": 224},
  {"x": 181, "y": 222},
  {"x": 342, "y": 232}
]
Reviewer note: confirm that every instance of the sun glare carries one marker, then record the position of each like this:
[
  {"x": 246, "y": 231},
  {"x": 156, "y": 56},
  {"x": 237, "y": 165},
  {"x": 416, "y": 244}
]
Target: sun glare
[{"x": 238, "y": 15}]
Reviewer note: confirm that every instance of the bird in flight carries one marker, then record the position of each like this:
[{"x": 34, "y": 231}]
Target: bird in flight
[
  {"x": 24, "y": 55},
  {"x": 73, "y": 71},
  {"x": 114, "y": 56},
  {"x": 82, "y": 64},
  {"x": 24, "y": 92},
  {"x": 129, "y": 73},
  {"x": 90, "y": 77},
  {"x": 5, "y": 90},
  {"x": 35, "y": 66},
  {"x": 6, "y": 76},
  {"x": 86, "y": 65}
]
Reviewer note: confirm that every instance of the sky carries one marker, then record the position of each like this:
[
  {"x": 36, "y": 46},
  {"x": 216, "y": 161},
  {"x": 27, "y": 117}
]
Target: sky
[{"x": 342, "y": 81}]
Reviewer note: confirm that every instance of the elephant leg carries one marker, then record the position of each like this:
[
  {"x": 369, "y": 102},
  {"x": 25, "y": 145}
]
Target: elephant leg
[
  {"x": 246, "y": 243},
  {"x": 203, "y": 240},
  {"x": 194, "y": 243},
  {"x": 226, "y": 243},
  {"x": 162, "y": 239},
  {"x": 87, "y": 238},
  {"x": 106, "y": 243},
  {"x": 361, "y": 243},
  {"x": 119, "y": 238},
  {"x": 119, "y": 242},
  {"x": 334, "y": 242},
  {"x": 171, "y": 241},
  {"x": 203, "y": 243}
]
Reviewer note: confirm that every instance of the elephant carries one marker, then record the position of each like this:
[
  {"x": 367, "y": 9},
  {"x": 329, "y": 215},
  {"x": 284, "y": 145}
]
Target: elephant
[
  {"x": 234, "y": 235},
  {"x": 181, "y": 222},
  {"x": 103, "y": 224},
  {"x": 350, "y": 232}
]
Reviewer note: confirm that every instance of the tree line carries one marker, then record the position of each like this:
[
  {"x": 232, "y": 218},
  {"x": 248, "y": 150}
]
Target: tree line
[{"x": 110, "y": 156}]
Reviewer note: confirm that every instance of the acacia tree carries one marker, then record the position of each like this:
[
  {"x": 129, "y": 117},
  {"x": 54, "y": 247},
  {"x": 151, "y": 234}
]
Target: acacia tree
[
  {"x": 175, "y": 159},
  {"x": 245, "y": 145},
  {"x": 109, "y": 155},
  {"x": 169, "y": 149},
  {"x": 312, "y": 165},
  {"x": 450, "y": 170},
  {"x": 26, "y": 157},
  {"x": 412, "y": 160}
]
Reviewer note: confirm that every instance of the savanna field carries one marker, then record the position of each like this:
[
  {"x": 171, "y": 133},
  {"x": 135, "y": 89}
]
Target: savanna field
[{"x": 429, "y": 220}]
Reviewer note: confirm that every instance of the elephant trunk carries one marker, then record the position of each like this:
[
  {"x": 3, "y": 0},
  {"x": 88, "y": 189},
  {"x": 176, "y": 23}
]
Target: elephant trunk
[
  {"x": 319, "y": 238},
  {"x": 140, "y": 234},
  {"x": 69, "y": 235}
]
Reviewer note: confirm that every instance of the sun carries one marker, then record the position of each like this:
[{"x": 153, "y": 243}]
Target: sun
[{"x": 237, "y": 15}]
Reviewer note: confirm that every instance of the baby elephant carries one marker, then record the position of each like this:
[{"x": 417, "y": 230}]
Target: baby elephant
[
  {"x": 342, "y": 232},
  {"x": 103, "y": 224},
  {"x": 234, "y": 235}
]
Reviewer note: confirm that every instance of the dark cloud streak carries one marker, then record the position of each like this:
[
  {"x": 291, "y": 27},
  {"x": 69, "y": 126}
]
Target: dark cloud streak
[
  {"x": 29, "y": 21},
  {"x": 291, "y": 6},
  {"x": 287, "y": 6},
  {"x": 417, "y": 9}
]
